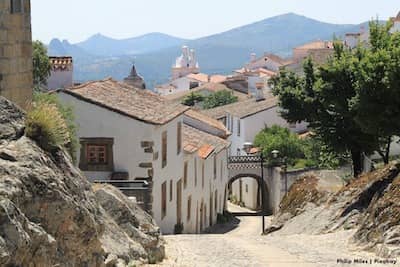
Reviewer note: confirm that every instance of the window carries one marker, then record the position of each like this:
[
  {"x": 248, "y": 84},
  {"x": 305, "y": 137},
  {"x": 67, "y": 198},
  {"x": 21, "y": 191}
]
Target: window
[
  {"x": 195, "y": 172},
  {"x": 164, "y": 149},
  {"x": 189, "y": 208},
  {"x": 238, "y": 127},
  {"x": 179, "y": 138},
  {"x": 231, "y": 123},
  {"x": 185, "y": 170},
  {"x": 247, "y": 188},
  {"x": 16, "y": 6},
  {"x": 96, "y": 154},
  {"x": 215, "y": 166},
  {"x": 163, "y": 200},
  {"x": 171, "y": 184},
  {"x": 202, "y": 174}
]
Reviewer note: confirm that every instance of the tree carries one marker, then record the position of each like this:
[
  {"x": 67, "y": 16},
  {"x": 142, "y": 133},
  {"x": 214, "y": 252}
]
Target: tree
[
  {"x": 219, "y": 98},
  {"x": 41, "y": 64},
  {"x": 378, "y": 87},
  {"x": 323, "y": 98},
  {"x": 281, "y": 139},
  {"x": 192, "y": 99}
]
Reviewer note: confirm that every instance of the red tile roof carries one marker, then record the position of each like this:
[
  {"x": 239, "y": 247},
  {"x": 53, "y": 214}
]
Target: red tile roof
[
  {"x": 122, "y": 98},
  {"x": 207, "y": 120},
  {"x": 205, "y": 151}
]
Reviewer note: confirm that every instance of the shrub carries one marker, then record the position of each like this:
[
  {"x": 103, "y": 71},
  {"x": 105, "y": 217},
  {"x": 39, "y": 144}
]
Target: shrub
[
  {"x": 219, "y": 98},
  {"x": 178, "y": 228},
  {"x": 67, "y": 114},
  {"x": 46, "y": 126}
]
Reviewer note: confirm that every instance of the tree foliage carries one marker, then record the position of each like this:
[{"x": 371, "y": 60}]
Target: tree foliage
[
  {"x": 352, "y": 101},
  {"x": 219, "y": 98},
  {"x": 281, "y": 139},
  {"x": 192, "y": 99},
  {"x": 41, "y": 63}
]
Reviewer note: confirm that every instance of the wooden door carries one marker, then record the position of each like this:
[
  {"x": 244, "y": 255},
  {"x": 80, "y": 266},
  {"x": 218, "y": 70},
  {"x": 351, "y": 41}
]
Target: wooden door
[{"x": 179, "y": 201}]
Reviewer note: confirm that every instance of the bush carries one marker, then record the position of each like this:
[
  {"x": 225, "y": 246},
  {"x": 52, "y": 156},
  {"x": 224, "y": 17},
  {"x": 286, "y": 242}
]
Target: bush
[
  {"x": 219, "y": 98},
  {"x": 178, "y": 228},
  {"x": 66, "y": 113},
  {"x": 46, "y": 126}
]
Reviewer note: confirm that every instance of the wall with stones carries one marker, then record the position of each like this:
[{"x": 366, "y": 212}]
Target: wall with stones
[{"x": 16, "y": 80}]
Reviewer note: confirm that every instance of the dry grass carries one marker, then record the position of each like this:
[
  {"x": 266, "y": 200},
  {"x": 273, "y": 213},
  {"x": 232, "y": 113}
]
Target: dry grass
[{"x": 46, "y": 126}]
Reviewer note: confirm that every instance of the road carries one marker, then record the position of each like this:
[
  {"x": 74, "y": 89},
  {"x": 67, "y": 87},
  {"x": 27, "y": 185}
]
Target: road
[{"x": 238, "y": 247}]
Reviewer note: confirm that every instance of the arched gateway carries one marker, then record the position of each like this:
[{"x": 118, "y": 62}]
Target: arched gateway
[{"x": 268, "y": 192}]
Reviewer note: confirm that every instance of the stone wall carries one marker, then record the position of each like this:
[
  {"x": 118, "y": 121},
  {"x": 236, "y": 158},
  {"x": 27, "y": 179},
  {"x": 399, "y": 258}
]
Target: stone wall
[{"x": 16, "y": 80}]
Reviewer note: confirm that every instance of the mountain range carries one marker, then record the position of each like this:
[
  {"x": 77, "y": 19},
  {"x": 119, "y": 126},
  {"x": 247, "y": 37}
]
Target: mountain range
[{"x": 101, "y": 56}]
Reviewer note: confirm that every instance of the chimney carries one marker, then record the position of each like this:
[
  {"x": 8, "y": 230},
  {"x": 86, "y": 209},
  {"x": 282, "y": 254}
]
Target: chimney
[
  {"x": 253, "y": 57},
  {"x": 260, "y": 91}
]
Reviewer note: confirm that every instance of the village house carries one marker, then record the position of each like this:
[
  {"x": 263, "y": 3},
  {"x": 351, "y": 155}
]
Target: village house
[
  {"x": 16, "y": 78},
  {"x": 396, "y": 23},
  {"x": 61, "y": 73},
  {"x": 133, "y": 134}
]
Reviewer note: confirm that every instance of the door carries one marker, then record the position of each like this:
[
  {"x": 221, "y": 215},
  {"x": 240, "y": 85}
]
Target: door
[{"x": 179, "y": 201}]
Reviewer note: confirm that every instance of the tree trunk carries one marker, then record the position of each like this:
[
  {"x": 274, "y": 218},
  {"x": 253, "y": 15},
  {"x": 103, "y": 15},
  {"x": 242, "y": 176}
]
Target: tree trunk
[
  {"x": 357, "y": 158},
  {"x": 387, "y": 152}
]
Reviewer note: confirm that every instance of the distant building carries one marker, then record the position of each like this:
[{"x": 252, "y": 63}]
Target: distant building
[
  {"x": 396, "y": 23},
  {"x": 268, "y": 61},
  {"x": 16, "y": 78},
  {"x": 135, "y": 80},
  {"x": 185, "y": 64},
  {"x": 303, "y": 51},
  {"x": 61, "y": 74}
]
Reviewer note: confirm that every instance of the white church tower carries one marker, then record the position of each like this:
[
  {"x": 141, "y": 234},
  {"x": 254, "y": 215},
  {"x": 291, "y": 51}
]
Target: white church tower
[{"x": 185, "y": 64}]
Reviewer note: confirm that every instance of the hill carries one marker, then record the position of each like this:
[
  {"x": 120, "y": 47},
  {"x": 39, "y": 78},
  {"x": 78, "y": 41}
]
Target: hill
[{"x": 220, "y": 53}]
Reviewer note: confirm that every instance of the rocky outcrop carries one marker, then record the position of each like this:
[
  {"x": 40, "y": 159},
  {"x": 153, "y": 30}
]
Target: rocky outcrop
[
  {"x": 369, "y": 204},
  {"x": 51, "y": 216}
]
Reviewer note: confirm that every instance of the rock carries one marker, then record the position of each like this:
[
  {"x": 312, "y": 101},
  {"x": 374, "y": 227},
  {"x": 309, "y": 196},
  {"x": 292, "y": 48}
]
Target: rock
[{"x": 50, "y": 215}]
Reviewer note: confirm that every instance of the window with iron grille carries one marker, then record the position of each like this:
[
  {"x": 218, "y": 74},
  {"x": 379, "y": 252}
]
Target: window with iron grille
[
  {"x": 163, "y": 200},
  {"x": 16, "y": 6}
]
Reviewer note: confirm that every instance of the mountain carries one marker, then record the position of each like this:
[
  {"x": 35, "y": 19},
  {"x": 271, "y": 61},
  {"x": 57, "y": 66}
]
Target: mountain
[
  {"x": 105, "y": 46},
  {"x": 219, "y": 53}
]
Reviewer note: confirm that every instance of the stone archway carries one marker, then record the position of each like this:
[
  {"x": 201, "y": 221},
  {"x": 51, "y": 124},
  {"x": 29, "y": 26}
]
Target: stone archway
[{"x": 263, "y": 190}]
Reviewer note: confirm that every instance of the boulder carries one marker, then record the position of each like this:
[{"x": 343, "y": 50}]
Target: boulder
[{"x": 50, "y": 215}]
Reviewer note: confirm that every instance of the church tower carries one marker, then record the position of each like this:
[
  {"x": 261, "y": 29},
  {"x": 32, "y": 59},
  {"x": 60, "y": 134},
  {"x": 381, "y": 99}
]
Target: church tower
[{"x": 135, "y": 79}]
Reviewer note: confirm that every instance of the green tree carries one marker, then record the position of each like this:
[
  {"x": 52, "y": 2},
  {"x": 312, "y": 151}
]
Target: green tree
[
  {"x": 281, "y": 139},
  {"x": 378, "y": 87},
  {"x": 219, "y": 98},
  {"x": 41, "y": 64},
  {"x": 192, "y": 99},
  {"x": 323, "y": 98}
]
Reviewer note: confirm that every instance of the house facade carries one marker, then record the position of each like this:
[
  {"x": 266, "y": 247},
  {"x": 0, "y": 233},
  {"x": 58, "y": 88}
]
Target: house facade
[
  {"x": 61, "y": 73},
  {"x": 16, "y": 78},
  {"x": 136, "y": 134}
]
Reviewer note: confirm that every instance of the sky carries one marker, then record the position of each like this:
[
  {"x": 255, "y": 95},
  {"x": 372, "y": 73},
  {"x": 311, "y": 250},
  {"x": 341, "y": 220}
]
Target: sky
[{"x": 76, "y": 20}]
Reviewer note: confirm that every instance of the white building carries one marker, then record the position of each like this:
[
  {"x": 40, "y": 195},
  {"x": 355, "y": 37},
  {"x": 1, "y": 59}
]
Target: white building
[
  {"x": 396, "y": 24},
  {"x": 137, "y": 133},
  {"x": 185, "y": 64},
  {"x": 182, "y": 84},
  {"x": 245, "y": 120},
  {"x": 61, "y": 73}
]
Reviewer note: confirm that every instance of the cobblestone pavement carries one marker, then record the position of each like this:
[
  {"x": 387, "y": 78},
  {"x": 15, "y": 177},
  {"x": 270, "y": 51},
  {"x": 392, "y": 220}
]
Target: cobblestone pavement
[{"x": 244, "y": 246}]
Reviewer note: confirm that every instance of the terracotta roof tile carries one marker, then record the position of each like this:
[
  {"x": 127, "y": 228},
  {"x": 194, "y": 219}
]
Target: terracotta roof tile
[
  {"x": 122, "y": 98},
  {"x": 207, "y": 120},
  {"x": 194, "y": 140},
  {"x": 317, "y": 45},
  {"x": 242, "y": 109},
  {"x": 199, "y": 77},
  {"x": 205, "y": 151}
]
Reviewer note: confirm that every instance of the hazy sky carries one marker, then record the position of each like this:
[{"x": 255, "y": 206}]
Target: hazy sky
[{"x": 76, "y": 20}]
